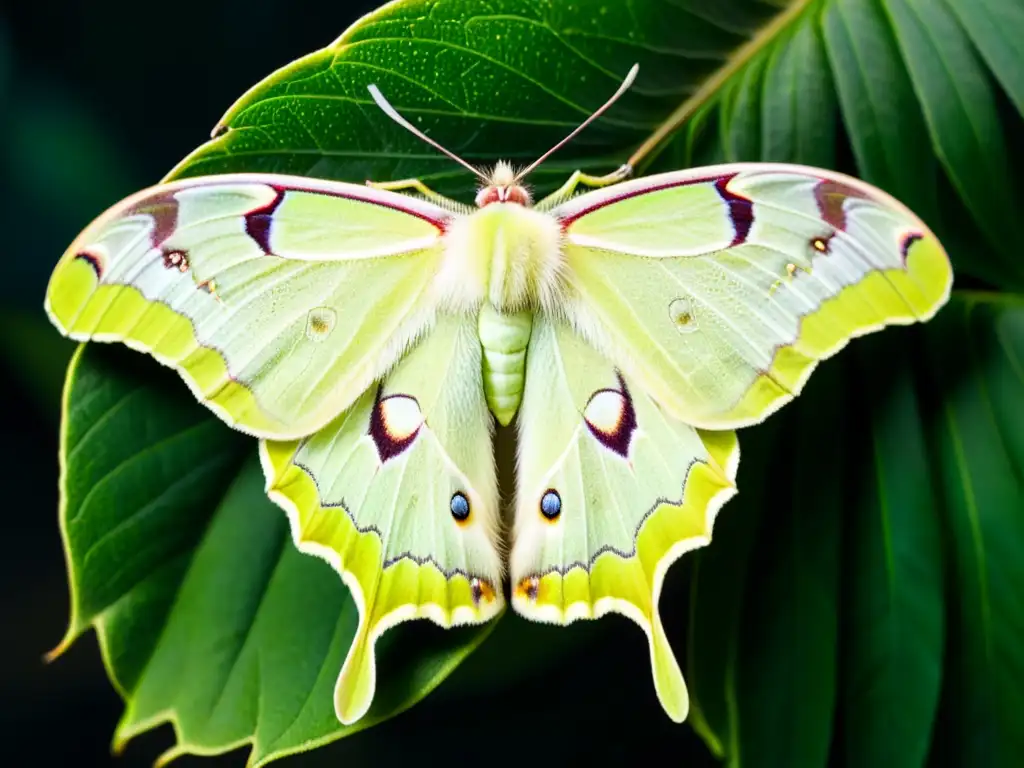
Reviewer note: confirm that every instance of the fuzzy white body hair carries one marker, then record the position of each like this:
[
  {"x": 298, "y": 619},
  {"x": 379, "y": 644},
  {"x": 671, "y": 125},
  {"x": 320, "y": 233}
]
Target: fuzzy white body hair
[{"x": 506, "y": 253}]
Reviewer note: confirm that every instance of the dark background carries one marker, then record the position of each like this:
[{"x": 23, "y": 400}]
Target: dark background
[{"x": 98, "y": 99}]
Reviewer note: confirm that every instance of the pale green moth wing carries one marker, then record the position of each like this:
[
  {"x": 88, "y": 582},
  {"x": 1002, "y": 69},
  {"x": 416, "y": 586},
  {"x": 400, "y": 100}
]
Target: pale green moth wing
[
  {"x": 721, "y": 288},
  {"x": 278, "y": 299},
  {"x": 399, "y": 494},
  {"x": 610, "y": 491}
]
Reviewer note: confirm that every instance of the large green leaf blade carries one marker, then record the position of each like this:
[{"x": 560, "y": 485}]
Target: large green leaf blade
[
  {"x": 877, "y": 99},
  {"x": 977, "y": 345},
  {"x": 785, "y": 671},
  {"x": 891, "y": 626},
  {"x": 800, "y": 110},
  {"x": 761, "y": 652},
  {"x": 136, "y": 484},
  {"x": 741, "y": 130},
  {"x": 780, "y": 106},
  {"x": 997, "y": 27},
  {"x": 960, "y": 111},
  {"x": 718, "y": 597},
  {"x": 894, "y": 609},
  {"x": 489, "y": 80}
]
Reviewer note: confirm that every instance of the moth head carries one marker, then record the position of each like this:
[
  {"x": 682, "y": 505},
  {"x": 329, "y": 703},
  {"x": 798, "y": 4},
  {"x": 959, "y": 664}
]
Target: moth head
[{"x": 503, "y": 187}]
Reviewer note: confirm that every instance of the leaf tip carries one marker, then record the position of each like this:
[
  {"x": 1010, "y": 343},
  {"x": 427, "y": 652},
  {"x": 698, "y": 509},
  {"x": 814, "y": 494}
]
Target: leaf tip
[
  {"x": 57, "y": 651},
  {"x": 167, "y": 757}
]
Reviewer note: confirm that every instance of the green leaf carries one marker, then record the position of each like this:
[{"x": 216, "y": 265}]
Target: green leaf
[
  {"x": 765, "y": 603},
  {"x": 207, "y": 616},
  {"x": 718, "y": 592},
  {"x": 960, "y": 110},
  {"x": 142, "y": 469},
  {"x": 785, "y": 678},
  {"x": 489, "y": 79},
  {"x": 800, "y": 110},
  {"x": 977, "y": 345},
  {"x": 894, "y": 607},
  {"x": 877, "y": 100},
  {"x": 997, "y": 27}
]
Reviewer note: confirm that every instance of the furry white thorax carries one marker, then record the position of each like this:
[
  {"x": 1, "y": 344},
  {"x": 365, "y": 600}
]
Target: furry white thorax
[
  {"x": 503, "y": 175},
  {"x": 506, "y": 253}
]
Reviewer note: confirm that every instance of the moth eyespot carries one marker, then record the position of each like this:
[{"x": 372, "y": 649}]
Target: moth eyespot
[
  {"x": 320, "y": 322},
  {"x": 611, "y": 418},
  {"x": 681, "y": 314},
  {"x": 481, "y": 590},
  {"x": 551, "y": 504},
  {"x": 394, "y": 423},
  {"x": 820, "y": 244},
  {"x": 459, "y": 506},
  {"x": 529, "y": 587},
  {"x": 176, "y": 260}
]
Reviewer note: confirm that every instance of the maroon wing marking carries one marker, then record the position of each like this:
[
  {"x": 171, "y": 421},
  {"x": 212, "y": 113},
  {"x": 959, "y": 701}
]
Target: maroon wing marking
[
  {"x": 741, "y": 209},
  {"x": 388, "y": 444},
  {"x": 618, "y": 437},
  {"x": 257, "y": 221},
  {"x": 94, "y": 260}
]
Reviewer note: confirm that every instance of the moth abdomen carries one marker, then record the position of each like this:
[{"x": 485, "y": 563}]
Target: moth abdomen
[{"x": 504, "y": 337}]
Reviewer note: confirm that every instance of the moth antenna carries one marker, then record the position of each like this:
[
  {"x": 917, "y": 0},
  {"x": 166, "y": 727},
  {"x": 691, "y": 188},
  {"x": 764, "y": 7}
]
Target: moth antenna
[
  {"x": 630, "y": 77},
  {"x": 391, "y": 112}
]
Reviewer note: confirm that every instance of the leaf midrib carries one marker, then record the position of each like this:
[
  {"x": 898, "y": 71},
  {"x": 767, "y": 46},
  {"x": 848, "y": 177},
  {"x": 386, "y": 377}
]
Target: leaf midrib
[{"x": 711, "y": 87}]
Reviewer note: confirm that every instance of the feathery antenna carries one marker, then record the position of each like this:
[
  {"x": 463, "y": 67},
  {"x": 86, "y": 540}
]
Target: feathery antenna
[
  {"x": 630, "y": 77},
  {"x": 393, "y": 114}
]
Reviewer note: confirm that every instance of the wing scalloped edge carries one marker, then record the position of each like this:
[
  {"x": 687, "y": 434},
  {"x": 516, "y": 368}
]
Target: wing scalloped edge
[
  {"x": 168, "y": 337},
  {"x": 448, "y": 601},
  {"x": 667, "y": 533},
  {"x": 802, "y": 356}
]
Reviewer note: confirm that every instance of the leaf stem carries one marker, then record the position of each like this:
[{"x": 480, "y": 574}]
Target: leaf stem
[{"x": 739, "y": 58}]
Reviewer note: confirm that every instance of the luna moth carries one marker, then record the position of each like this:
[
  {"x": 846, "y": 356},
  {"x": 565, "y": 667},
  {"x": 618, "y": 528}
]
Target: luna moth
[{"x": 371, "y": 336}]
